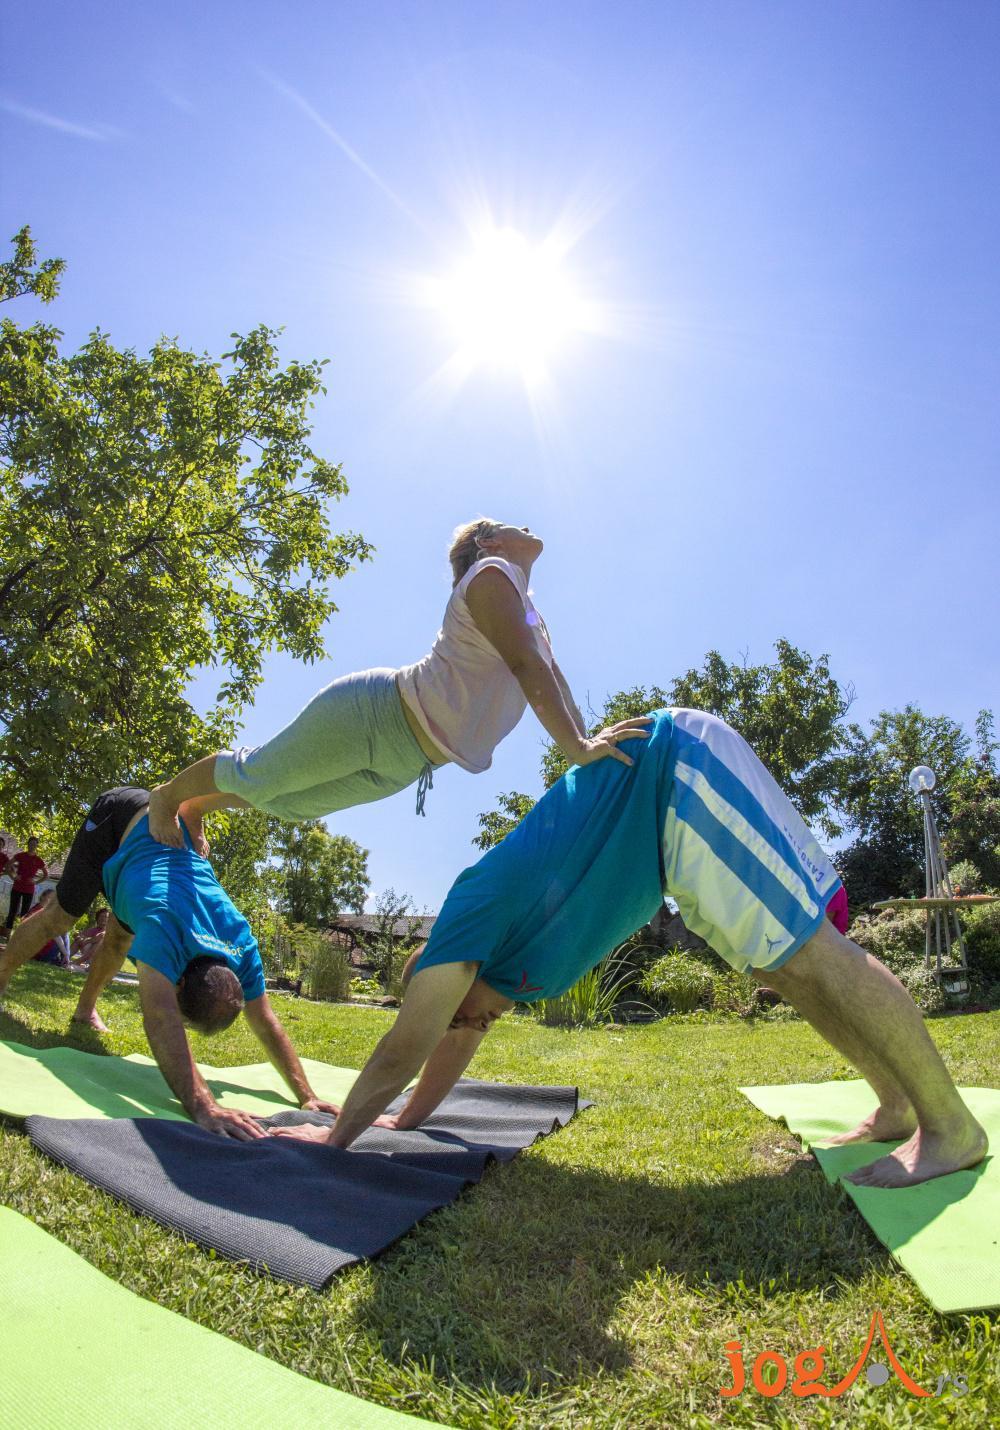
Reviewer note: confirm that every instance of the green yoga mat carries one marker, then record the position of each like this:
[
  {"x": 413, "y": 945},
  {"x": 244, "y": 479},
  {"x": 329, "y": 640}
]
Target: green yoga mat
[
  {"x": 80, "y": 1350},
  {"x": 64, "y": 1082},
  {"x": 944, "y": 1233}
]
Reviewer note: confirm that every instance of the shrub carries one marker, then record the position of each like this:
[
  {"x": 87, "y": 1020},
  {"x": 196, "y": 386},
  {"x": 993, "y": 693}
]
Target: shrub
[
  {"x": 734, "y": 992},
  {"x": 363, "y": 988},
  {"x": 591, "y": 1000},
  {"x": 678, "y": 982},
  {"x": 981, "y": 926},
  {"x": 923, "y": 988},
  {"x": 322, "y": 963},
  {"x": 896, "y": 936},
  {"x": 966, "y": 877},
  {"x": 394, "y": 984}
]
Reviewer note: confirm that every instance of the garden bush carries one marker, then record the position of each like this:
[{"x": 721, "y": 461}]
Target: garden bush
[
  {"x": 592, "y": 999},
  {"x": 895, "y": 937},
  {"x": 966, "y": 878},
  {"x": 678, "y": 982},
  {"x": 981, "y": 926},
  {"x": 324, "y": 964},
  {"x": 734, "y": 992},
  {"x": 923, "y": 988}
]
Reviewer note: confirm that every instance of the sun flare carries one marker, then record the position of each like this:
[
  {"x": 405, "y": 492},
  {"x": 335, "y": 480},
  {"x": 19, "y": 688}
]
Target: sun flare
[{"x": 510, "y": 304}]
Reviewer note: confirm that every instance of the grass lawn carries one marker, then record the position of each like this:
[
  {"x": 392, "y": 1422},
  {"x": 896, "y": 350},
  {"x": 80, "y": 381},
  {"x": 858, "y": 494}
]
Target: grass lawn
[{"x": 595, "y": 1280}]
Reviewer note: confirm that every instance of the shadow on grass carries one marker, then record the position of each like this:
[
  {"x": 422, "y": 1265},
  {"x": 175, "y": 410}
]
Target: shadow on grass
[
  {"x": 46, "y": 993},
  {"x": 16, "y": 1029},
  {"x": 531, "y": 1268}
]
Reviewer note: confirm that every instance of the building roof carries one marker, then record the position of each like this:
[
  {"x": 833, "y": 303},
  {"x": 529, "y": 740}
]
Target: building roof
[{"x": 419, "y": 925}]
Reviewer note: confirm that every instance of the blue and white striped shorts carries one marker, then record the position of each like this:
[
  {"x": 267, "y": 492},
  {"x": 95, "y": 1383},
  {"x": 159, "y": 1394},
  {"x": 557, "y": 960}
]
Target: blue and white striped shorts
[{"x": 739, "y": 860}]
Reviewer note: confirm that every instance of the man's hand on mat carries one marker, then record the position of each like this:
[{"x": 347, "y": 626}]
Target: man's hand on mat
[
  {"x": 230, "y": 1123},
  {"x": 306, "y": 1133},
  {"x": 605, "y": 742},
  {"x": 316, "y": 1104}
]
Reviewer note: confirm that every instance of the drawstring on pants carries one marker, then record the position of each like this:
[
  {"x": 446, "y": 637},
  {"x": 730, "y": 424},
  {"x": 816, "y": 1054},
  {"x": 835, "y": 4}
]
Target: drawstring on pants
[{"x": 425, "y": 782}]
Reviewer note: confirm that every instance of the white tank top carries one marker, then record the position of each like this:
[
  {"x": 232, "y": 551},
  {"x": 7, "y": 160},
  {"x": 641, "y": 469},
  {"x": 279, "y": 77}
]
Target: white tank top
[{"x": 462, "y": 694}]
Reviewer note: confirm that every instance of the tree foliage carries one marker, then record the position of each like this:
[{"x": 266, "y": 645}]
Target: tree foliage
[
  {"x": 790, "y": 712},
  {"x": 395, "y": 932},
  {"x": 496, "y": 823},
  {"x": 159, "y": 514},
  {"x": 320, "y": 874},
  {"x": 886, "y": 857},
  {"x": 243, "y": 845},
  {"x": 973, "y": 830}
]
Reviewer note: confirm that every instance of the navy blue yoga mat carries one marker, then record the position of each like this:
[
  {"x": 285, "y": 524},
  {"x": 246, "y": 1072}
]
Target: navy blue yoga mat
[{"x": 293, "y": 1209}]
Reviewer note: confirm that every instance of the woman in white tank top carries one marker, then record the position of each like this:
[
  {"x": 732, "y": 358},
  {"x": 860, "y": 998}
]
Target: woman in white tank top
[{"x": 368, "y": 735}]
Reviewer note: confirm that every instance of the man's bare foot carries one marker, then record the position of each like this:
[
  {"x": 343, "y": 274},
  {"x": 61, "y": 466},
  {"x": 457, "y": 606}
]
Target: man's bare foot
[
  {"x": 925, "y": 1156},
  {"x": 885, "y": 1124},
  {"x": 92, "y": 1019},
  {"x": 163, "y": 824}
]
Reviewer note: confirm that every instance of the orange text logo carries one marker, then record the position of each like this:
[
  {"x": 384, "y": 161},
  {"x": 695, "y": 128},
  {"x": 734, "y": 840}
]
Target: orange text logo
[{"x": 809, "y": 1368}]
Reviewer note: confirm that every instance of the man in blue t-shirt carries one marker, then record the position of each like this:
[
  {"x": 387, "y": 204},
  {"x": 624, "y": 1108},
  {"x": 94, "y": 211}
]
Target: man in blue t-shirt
[
  {"x": 196, "y": 957},
  {"x": 695, "y": 815}
]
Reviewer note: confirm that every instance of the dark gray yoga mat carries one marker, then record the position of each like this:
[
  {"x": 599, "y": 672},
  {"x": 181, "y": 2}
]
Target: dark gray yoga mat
[{"x": 293, "y": 1209}]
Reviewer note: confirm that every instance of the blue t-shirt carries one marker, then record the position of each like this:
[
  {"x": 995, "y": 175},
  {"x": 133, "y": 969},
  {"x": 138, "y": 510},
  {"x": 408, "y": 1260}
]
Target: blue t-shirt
[
  {"x": 178, "y": 910},
  {"x": 580, "y": 873}
]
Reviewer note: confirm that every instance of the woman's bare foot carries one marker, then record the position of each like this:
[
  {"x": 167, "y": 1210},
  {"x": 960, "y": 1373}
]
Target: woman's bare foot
[
  {"x": 885, "y": 1124},
  {"x": 194, "y": 826},
  {"x": 163, "y": 825},
  {"x": 924, "y": 1156},
  {"x": 92, "y": 1019}
]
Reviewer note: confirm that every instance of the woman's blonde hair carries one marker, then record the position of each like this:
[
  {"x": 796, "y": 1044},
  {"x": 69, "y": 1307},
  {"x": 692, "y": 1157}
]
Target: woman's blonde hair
[{"x": 464, "y": 549}]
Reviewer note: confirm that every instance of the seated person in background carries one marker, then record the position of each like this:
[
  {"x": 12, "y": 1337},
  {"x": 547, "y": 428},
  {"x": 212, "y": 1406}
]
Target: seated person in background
[
  {"x": 56, "y": 951},
  {"x": 87, "y": 944},
  {"x": 197, "y": 960},
  {"x": 697, "y": 817}
]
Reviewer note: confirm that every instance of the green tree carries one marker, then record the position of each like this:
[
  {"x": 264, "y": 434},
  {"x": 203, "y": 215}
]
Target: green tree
[
  {"x": 395, "y": 932},
  {"x": 496, "y": 823},
  {"x": 623, "y": 705},
  {"x": 790, "y": 712},
  {"x": 886, "y": 857},
  {"x": 791, "y": 715},
  {"x": 320, "y": 874},
  {"x": 243, "y": 849},
  {"x": 973, "y": 831},
  {"x": 158, "y": 514}
]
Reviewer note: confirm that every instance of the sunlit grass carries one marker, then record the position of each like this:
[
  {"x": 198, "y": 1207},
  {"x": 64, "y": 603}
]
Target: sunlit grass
[{"x": 594, "y": 1281}]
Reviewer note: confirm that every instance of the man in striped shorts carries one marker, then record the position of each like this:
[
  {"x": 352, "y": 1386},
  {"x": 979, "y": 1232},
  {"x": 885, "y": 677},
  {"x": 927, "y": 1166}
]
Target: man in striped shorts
[{"x": 695, "y": 816}]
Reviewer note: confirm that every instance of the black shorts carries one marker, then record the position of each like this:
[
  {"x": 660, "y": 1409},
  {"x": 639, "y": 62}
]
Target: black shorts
[{"x": 96, "y": 840}]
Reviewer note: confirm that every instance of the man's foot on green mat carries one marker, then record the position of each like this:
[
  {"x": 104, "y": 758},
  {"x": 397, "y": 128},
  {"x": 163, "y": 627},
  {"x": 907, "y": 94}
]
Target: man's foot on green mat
[
  {"x": 163, "y": 824},
  {"x": 885, "y": 1124},
  {"x": 925, "y": 1156},
  {"x": 92, "y": 1019}
]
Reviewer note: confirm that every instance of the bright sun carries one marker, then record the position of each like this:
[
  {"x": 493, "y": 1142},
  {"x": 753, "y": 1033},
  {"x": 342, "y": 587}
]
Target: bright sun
[{"x": 510, "y": 304}]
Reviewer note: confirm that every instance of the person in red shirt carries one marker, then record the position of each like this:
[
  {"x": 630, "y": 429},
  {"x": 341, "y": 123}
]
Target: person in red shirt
[{"x": 26, "y": 868}]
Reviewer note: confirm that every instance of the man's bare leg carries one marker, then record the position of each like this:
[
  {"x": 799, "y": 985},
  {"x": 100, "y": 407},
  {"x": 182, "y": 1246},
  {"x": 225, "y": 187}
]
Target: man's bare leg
[
  {"x": 106, "y": 963},
  {"x": 195, "y": 783},
  {"x": 29, "y": 936},
  {"x": 869, "y": 1008},
  {"x": 894, "y": 1117}
]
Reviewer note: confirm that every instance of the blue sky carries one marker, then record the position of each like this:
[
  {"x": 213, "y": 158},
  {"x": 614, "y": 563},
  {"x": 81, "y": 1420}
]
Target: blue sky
[{"x": 789, "y": 211}]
